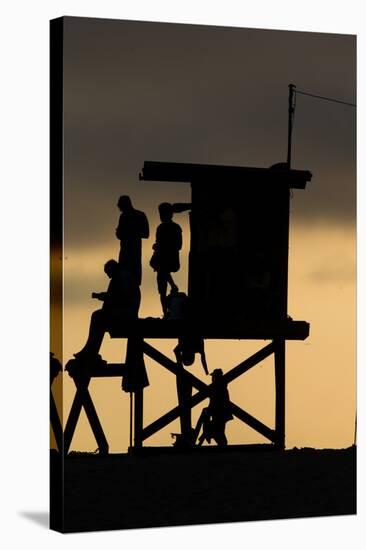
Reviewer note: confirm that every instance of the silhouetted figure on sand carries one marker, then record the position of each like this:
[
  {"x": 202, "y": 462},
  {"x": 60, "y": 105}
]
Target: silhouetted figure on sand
[
  {"x": 165, "y": 259},
  {"x": 121, "y": 304},
  {"x": 218, "y": 411},
  {"x": 132, "y": 227}
]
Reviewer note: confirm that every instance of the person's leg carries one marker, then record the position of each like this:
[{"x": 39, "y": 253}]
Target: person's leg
[
  {"x": 132, "y": 262},
  {"x": 138, "y": 263},
  {"x": 204, "y": 422},
  {"x": 170, "y": 280},
  {"x": 178, "y": 354},
  {"x": 162, "y": 281},
  {"x": 96, "y": 333},
  {"x": 220, "y": 436}
]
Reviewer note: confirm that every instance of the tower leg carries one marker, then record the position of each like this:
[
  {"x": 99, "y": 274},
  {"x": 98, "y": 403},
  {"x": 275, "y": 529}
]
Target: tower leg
[
  {"x": 184, "y": 391},
  {"x": 279, "y": 357},
  {"x": 95, "y": 424},
  {"x": 139, "y": 409}
]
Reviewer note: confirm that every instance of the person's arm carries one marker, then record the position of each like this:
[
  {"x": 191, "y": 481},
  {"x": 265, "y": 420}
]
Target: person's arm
[
  {"x": 181, "y": 207},
  {"x": 179, "y": 237},
  {"x": 157, "y": 238},
  {"x": 119, "y": 230},
  {"x": 144, "y": 230},
  {"x": 203, "y": 361},
  {"x": 99, "y": 295}
]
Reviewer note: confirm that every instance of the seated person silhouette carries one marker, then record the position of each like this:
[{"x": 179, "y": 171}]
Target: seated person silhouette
[
  {"x": 218, "y": 411},
  {"x": 165, "y": 259},
  {"x": 132, "y": 227},
  {"x": 121, "y": 304}
]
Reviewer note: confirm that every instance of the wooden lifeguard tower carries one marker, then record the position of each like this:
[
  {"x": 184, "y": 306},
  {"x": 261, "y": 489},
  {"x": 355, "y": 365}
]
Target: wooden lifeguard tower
[{"x": 237, "y": 287}]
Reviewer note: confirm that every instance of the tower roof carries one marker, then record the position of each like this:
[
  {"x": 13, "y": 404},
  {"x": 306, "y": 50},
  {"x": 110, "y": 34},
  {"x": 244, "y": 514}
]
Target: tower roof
[{"x": 182, "y": 172}]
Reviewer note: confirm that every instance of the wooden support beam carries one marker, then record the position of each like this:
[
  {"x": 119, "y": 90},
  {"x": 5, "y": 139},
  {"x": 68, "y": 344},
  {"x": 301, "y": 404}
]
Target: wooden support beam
[
  {"x": 252, "y": 422},
  {"x": 95, "y": 424},
  {"x": 201, "y": 395},
  {"x": 238, "y": 370},
  {"x": 73, "y": 416},
  {"x": 249, "y": 363},
  {"x": 162, "y": 422},
  {"x": 171, "y": 366},
  {"x": 82, "y": 399},
  {"x": 280, "y": 392}
]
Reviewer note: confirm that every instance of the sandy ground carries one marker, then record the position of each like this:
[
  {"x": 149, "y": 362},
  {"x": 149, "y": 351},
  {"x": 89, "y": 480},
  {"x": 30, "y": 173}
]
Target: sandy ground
[{"x": 170, "y": 488}]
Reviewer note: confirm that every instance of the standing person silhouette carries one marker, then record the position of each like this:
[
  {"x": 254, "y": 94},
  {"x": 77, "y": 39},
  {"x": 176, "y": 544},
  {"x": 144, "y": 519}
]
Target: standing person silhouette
[
  {"x": 132, "y": 227},
  {"x": 165, "y": 259}
]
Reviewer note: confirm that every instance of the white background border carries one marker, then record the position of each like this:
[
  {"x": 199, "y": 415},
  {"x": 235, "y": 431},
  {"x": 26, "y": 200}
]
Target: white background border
[{"x": 24, "y": 275}]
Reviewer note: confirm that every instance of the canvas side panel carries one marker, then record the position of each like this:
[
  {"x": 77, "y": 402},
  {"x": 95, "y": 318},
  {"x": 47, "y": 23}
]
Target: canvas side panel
[{"x": 56, "y": 270}]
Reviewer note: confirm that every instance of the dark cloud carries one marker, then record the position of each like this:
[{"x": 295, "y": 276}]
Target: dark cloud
[{"x": 139, "y": 91}]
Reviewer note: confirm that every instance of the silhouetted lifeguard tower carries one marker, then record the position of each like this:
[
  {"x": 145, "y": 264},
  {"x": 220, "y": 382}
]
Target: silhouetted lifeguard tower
[{"x": 238, "y": 285}]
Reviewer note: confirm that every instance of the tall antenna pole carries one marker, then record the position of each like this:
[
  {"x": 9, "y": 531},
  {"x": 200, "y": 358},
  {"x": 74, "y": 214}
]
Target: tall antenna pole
[{"x": 291, "y": 111}]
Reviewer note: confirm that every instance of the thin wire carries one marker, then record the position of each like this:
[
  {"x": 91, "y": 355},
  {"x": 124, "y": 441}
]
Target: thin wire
[{"x": 326, "y": 98}]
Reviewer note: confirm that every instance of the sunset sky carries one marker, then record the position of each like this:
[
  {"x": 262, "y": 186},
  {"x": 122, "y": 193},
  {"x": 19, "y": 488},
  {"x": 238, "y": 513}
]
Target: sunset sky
[{"x": 182, "y": 93}]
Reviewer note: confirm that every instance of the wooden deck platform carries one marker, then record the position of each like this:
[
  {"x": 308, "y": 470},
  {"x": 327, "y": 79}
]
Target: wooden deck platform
[{"x": 213, "y": 330}]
